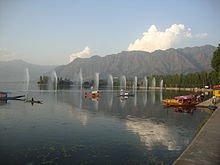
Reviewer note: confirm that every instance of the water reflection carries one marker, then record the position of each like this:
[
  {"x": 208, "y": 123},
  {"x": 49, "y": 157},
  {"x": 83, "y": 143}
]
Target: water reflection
[
  {"x": 110, "y": 99},
  {"x": 79, "y": 114},
  {"x": 135, "y": 99},
  {"x": 123, "y": 100},
  {"x": 152, "y": 133},
  {"x": 145, "y": 98},
  {"x": 161, "y": 95},
  {"x": 80, "y": 100},
  {"x": 86, "y": 130},
  {"x": 95, "y": 102},
  {"x": 186, "y": 109},
  {"x": 153, "y": 97}
]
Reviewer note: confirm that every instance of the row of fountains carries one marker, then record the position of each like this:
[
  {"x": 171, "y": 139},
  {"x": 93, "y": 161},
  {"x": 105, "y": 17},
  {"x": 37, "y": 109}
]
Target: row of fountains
[{"x": 123, "y": 81}]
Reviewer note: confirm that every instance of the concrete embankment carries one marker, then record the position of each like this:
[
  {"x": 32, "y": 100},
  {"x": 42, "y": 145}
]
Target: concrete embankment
[
  {"x": 205, "y": 104},
  {"x": 189, "y": 89},
  {"x": 179, "y": 89},
  {"x": 205, "y": 147}
]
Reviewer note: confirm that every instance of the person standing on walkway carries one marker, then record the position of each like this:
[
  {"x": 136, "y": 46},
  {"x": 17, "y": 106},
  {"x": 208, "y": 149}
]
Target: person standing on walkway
[{"x": 214, "y": 100}]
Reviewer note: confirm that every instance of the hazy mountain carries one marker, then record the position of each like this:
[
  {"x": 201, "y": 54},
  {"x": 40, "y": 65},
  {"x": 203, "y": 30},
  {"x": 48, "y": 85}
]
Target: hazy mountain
[
  {"x": 15, "y": 70},
  {"x": 140, "y": 63}
]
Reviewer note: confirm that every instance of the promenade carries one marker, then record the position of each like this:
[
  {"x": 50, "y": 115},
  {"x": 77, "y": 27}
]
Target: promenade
[{"x": 205, "y": 147}]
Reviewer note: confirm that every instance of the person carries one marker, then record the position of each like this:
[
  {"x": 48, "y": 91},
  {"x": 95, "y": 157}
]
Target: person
[
  {"x": 202, "y": 96},
  {"x": 214, "y": 100},
  {"x": 198, "y": 98}
]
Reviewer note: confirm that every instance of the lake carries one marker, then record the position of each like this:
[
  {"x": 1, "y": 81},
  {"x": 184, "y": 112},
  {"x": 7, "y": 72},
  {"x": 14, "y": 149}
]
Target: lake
[{"x": 71, "y": 129}]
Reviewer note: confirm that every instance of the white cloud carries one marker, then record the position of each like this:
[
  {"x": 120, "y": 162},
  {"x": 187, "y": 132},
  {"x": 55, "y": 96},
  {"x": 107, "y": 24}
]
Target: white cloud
[
  {"x": 153, "y": 39},
  {"x": 85, "y": 52},
  {"x": 6, "y": 55}
]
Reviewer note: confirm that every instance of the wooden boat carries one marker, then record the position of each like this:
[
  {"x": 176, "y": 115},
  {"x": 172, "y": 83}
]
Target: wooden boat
[
  {"x": 4, "y": 96},
  {"x": 188, "y": 100},
  {"x": 14, "y": 97},
  {"x": 92, "y": 94}
]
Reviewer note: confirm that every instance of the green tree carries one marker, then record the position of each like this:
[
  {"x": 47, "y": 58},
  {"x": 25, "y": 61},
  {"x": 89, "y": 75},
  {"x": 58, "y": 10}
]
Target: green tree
[{"x": 216, "y": 59}]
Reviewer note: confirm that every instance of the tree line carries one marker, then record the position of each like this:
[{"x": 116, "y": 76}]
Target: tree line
[{"x": 190, "y": 80}]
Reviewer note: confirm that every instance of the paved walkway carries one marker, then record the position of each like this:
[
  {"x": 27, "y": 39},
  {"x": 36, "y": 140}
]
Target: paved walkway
[{"x": 205, "y": 148}]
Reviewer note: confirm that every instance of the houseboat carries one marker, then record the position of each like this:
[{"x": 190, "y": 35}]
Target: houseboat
[{"x": 188, "y": 100}]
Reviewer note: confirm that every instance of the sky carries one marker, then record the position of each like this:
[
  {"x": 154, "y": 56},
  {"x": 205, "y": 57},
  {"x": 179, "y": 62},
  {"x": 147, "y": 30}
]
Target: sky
[{"x": 55, "y": 32}]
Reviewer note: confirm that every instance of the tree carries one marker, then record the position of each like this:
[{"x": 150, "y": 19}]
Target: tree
[{"x": 216, "y": 59}]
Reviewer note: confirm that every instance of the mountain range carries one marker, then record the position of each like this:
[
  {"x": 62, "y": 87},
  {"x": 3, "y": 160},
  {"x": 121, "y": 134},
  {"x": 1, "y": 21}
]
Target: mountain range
[
  {"x": 128, "y": 63},
  {"x": 15, "y": 70},
  {"x": 140, "y": 63}
]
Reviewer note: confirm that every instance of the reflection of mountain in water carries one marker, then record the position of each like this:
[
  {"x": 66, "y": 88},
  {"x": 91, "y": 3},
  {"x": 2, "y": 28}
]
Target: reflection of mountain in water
[{"x": 152, "y": 133}]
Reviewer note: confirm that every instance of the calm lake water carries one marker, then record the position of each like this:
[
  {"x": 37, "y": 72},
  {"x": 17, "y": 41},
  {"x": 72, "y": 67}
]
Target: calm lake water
[{"x": 71, "y": 129}]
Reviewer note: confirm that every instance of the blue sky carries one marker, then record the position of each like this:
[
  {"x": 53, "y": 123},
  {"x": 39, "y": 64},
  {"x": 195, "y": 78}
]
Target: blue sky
[{"x": 50, "y": 31}]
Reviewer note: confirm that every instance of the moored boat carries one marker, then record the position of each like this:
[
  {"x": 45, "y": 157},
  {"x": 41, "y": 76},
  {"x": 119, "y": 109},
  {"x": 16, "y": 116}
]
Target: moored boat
[
  {"x": 188, "y": 100},
  {"x": 95, "y": 93},
  {"x": 4, "y": 96},
  {"x": 125, "y": 93}
]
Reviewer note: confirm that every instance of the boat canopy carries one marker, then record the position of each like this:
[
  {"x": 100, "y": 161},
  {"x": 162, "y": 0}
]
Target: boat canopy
[
  {"x": 216, "y": 87},
  {"x": 187, "y": 97}
]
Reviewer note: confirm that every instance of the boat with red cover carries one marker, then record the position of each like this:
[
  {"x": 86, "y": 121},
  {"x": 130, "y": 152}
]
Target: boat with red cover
[
  {"x": 188, "y": 100},
  {"x": 92, "y": 94}
]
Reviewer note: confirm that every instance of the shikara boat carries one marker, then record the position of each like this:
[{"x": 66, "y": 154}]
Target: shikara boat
[
  {"x": 92, "y": 94},
  {"x": 4, "y": 96},
  {"x": 188, "y": 100}
]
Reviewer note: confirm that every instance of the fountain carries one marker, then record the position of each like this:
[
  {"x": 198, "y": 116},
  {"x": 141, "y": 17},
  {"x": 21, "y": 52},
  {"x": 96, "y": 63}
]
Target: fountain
[
  {"x": 97, "y": 81},
  {"x": 54, "y": 79},
  {"x": 110, "y": 81},
  {"x": 153, "y": 83},
  {"x": 80, "y": 78},
  {"x": 123, "y": 82},
  {"x": 145, "y": 82},
  {"x": 27, "y": 79},
  {"x": 161, "y": 85},
  {"x": 135, "y": 84}
]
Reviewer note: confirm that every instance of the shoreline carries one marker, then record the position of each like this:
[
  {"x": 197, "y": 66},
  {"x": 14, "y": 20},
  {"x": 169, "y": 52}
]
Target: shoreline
[
  {"x": 205, "y": 146},
  {"x": 183, "y": 89}
]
